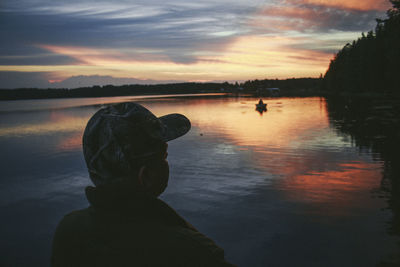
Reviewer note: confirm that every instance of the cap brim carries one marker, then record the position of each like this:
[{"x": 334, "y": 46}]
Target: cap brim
[{"x": 175, "y": 125}]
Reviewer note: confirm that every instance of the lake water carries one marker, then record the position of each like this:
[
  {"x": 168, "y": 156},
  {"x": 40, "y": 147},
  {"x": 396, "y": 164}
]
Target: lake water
[{"x": 281, "y": 188}]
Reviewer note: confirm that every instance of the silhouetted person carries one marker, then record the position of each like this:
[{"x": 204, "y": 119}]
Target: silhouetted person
[{"x": 126, "y": 223}]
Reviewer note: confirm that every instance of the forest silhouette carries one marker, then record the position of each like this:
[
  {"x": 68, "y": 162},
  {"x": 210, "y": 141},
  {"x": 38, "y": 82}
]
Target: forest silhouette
[{"x": 370, "y": 64}]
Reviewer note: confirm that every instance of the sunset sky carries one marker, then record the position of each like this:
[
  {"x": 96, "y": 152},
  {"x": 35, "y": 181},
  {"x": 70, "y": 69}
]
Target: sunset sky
[{"x": 77, "y": 43}]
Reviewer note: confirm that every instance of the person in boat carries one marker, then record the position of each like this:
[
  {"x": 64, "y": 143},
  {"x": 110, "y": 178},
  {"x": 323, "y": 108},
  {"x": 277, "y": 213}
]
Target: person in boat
[
  {"x": 126, "y": 224},
  {"x": 260, "y": 102}
]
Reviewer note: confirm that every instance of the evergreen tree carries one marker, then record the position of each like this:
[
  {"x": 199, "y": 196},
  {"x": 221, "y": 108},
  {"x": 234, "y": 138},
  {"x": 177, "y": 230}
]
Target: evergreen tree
[{"x": 371, "y": 63}]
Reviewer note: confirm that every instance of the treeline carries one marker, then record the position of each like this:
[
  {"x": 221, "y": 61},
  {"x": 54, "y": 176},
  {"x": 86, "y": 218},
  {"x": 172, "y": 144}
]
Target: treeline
[
  {"x": 372, "y": 63},
  {"x": 111, "y": 90},
  {"x": 288, "y": 87}
]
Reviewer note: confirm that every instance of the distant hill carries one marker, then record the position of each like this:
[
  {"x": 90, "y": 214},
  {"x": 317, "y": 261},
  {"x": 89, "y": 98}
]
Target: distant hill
[
  {"x": 88, "y": 81},
  {"x": 15, "y": 79}
]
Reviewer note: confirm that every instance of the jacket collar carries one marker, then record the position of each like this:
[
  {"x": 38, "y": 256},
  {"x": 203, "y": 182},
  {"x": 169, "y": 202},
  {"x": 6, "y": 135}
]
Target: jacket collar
[{"x": 132, "y": 205}]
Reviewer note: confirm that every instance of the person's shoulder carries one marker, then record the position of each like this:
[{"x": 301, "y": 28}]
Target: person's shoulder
[
  {"x": 69, "y": 237},
  {"x": 194, "y": 248},
  {"x": 198, "y": 240},
  {"x": 73, "y": 227},
  {"x": 76, "y": 219}
]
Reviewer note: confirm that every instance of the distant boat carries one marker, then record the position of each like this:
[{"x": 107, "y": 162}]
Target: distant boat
[
  {"x": 261, "y": 106},
  {"x": 273, "y": 91},
  {"x": 268, "y": 91}
]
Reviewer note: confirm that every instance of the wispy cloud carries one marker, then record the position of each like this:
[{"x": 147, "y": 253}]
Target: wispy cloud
[{"x": 175, "y": 28}]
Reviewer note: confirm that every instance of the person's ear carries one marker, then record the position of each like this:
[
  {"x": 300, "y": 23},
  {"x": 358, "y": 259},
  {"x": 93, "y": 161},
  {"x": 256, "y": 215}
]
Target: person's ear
[
  {"x": 141, "y": 175},
  {"x": 154, "y": 178},
  {"x": 147, "y": 178}
]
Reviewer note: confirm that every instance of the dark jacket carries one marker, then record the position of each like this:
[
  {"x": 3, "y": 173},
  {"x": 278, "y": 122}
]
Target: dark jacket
[{"x": 125, "y": 229}]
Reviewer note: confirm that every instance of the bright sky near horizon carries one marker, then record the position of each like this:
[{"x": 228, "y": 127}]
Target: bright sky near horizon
[{"x": 72, "y": 43}]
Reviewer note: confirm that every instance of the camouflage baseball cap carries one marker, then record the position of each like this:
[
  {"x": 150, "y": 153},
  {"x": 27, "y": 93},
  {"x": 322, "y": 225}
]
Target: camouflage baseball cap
[{"x": 120, "y": 137}]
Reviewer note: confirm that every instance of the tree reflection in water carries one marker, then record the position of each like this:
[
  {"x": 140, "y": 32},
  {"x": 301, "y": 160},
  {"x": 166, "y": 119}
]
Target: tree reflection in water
[{"x": 374, "y": 124}]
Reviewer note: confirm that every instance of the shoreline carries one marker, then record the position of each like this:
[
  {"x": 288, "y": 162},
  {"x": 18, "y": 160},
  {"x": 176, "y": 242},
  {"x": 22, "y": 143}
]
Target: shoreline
[{"x": 41, "y": 94}]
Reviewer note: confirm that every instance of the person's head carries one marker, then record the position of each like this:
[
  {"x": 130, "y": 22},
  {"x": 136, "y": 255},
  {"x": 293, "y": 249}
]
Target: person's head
[{"x": 126, "y": 144}]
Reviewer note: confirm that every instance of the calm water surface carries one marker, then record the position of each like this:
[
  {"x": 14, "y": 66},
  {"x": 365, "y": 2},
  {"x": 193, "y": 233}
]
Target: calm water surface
[{"x": 282, "y": 188}]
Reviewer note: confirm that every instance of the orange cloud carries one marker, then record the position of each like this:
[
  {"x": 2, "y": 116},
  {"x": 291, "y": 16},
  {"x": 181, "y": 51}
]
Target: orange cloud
[{"x": 276, "y": 53}]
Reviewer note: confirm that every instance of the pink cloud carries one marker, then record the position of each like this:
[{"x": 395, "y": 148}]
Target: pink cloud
[
  {"x": 99, "y": 56},
  {"x": 319, "y": 15},
  {"x": 292, "y": 17},
  {"x": 363, "y": 5}
]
